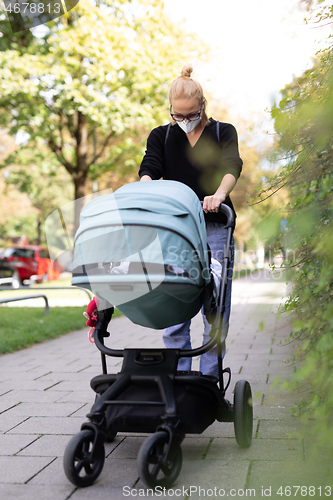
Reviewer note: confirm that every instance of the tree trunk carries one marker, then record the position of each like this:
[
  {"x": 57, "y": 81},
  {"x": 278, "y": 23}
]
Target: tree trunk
[
  {"x": 80, "y": 192},
  {"x": 81, "y": 172},
  {"x": 39, "y": 231}
]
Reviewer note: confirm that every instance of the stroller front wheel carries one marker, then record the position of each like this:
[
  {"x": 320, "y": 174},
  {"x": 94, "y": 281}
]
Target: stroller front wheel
[
  {"x": 83, "y": 462},
  {"x": 243, "y": 413},
  {"x": 153, "y": 466}
]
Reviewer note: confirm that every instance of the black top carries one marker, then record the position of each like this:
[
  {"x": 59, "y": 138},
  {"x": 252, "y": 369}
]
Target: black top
[{"x": 201, "y": 167}]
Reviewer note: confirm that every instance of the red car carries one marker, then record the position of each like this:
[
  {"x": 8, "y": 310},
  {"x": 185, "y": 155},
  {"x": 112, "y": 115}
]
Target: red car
[{"x": 31, "y": 261}]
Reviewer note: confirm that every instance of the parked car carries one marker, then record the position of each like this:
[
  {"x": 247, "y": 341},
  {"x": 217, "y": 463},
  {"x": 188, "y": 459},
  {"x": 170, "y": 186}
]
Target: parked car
[{"x": 30, "y": 262}]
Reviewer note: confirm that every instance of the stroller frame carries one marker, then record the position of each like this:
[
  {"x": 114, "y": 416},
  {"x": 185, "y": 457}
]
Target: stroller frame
[{"x": 160, "y": 458}]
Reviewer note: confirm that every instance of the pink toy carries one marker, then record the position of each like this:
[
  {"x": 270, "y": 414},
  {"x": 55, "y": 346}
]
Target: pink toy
[{"x": 91, "y": 315}]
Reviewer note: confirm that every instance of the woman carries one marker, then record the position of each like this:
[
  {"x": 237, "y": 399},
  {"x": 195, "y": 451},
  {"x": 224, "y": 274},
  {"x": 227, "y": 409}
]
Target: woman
[{"x": 203, "y": 154}]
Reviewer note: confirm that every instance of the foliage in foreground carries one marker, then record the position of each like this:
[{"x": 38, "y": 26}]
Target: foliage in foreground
[{"x": 304, "y": 123}]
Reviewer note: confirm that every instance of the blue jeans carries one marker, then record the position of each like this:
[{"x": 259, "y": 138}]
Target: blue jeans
[{"x": 178, "y": 336}]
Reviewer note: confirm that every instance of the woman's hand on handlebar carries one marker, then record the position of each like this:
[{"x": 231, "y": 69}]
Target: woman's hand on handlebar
[{"x": 212, "y": 203}]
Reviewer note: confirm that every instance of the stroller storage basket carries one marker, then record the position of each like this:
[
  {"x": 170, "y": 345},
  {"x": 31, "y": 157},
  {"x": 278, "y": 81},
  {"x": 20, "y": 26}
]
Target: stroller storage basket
[
  {"x": 143, "y": 249},
  {"x": 198, "y": 400}
]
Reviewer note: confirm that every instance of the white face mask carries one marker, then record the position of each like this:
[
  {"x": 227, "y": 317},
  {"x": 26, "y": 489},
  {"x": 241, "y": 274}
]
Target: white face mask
[{"x": 190, "y": 125}]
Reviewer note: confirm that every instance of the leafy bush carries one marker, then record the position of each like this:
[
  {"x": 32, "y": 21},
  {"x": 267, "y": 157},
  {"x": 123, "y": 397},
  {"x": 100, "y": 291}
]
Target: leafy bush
[{"x": 304, "y": 123}]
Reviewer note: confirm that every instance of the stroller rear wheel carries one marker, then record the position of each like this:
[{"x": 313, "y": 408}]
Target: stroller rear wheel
[
  {"x": 154, "y": 468},
  {"x": 243, "y": 413},
  {"x": 83, "y": 462}
]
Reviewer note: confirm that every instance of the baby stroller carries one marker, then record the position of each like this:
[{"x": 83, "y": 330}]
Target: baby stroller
[{"x": 144, "y": 250}]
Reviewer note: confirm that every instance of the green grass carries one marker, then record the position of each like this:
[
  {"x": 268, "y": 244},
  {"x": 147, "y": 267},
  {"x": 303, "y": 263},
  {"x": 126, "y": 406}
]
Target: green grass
[{"x": 22, "y": 327}]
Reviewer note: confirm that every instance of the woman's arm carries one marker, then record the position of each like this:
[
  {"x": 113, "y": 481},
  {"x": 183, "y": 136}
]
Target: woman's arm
[
  {"x": 212, "y": 203},
  {"x": 231, "y": 166},
  {"x": 145, "y": 178},
  {"x": 151, "y": 167}
]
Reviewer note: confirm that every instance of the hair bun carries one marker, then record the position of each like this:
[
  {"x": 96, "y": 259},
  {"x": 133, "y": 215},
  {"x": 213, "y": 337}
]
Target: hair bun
[{"x": 186, "y": 71}]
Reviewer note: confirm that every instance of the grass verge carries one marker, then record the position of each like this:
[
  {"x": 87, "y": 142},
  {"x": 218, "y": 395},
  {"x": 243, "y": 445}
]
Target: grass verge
[{"x": 22, "y": 327}]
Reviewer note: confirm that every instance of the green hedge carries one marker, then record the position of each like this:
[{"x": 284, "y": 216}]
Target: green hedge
[{"x": 304, "y": 123}]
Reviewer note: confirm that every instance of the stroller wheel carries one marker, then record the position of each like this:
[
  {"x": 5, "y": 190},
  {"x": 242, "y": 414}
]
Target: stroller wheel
[
  {"x": 243, "y": 413},
  {"x": 153, "y": 468},
  {"x": 82, "y": 462}
]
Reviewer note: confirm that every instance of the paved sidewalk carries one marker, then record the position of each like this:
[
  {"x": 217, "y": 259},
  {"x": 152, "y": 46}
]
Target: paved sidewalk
[{"x": 45, "y": 395}]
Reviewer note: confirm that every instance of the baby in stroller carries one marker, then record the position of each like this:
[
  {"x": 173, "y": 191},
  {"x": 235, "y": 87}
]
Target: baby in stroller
[{"x": 157, "y": 231}]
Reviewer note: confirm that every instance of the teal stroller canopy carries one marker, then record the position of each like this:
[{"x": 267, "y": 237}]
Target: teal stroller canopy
[{"x": 143, "y": 249}]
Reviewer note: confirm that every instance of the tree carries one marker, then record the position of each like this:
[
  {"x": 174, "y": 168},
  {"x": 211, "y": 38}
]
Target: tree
[
  {"x": 98, "y": 78},
  {"x": 257, "y": 224},
  {"x": 46, "y": 186}
]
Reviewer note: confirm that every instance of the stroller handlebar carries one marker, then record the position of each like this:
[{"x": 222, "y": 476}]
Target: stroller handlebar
[{"x": 226, "y": 210}]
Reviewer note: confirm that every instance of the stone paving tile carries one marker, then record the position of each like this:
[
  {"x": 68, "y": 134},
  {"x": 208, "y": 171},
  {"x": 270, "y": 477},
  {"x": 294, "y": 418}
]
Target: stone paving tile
[
  {"x": 284, "y": 399},
  {"x": 281, "y": 356},
  {"x": 17, "y": 375},
  {"x": 84, "y": 409},
  {"x": 129, "y": 448},
  {"x": 218, "y": 429},
  {"x": 8, "y": 405},
  {"x": 30, "y": 385},
  {"x": 49, "y": 425},
  {"x": 102, "y": 492},
  {"x": 69, "y": 385},
  {"x": 226, "y": 474},
  {"x": 21, "y": 469},
  {"x": 290, "y": 473},
  {"x": 283, "y": 448},
  {"x": 279, "y": 429},
  {"x": 34, "y": 396},
  {"x": 12, "y": 444},
  {"x": 84, "y": 396},
  {"x": 75, "y": 377},
  {"x": 116, "y": 473},
  {"x": 33, "y": 492},
  {"x": 53, "y": 475},
  {"x": 45, "y": 409},
  {"x": 236, "y": 358},
  {"x": 269, "y": 412},
  {"x": 7, "y": 422},
  {"x": 195, "y": 448},
  {"x": 45, "y": 446},
  {"x": 280, "y": 365}
]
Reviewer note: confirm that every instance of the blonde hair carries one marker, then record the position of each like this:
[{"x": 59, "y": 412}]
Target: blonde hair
[{"x": 185, "y": 87}]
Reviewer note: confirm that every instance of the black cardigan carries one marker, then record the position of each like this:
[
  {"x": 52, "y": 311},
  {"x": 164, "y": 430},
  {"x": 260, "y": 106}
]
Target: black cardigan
[{"x": 201, "y": 167}]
